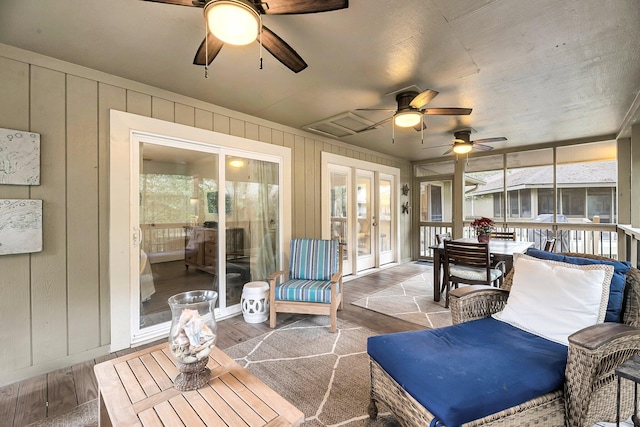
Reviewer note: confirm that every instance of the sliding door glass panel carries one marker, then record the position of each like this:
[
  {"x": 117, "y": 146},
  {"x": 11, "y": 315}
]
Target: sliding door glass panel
[
  {"x": 176, "y": 251},
  {"x": 251, "y": 204}
]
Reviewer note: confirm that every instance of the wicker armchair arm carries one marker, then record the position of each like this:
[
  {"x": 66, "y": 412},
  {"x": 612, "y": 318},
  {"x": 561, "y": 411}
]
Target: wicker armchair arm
[
  {"x": 590, "y": 387},
  {"x": 476, "y": 302}
]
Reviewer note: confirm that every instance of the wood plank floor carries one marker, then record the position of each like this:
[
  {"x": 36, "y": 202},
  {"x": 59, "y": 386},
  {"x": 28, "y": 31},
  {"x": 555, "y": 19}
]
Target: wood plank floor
[{"x": 61, "y": 391}]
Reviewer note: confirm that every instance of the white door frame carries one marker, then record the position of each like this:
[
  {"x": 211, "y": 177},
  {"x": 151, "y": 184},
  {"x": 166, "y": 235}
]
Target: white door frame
[
  {"x": 123, "y": 272},
  {"x": 335, "y": 159}
]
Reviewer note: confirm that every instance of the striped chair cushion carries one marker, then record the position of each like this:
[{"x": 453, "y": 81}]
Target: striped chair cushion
[
  {"x": 313, "y": 259},
  {"x": 304, "y": 290},
  {"x": 471, "y": 273}
]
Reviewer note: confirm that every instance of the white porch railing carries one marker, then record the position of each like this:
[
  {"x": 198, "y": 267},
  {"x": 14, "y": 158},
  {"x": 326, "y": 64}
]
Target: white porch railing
[{"x": 589, "y": 238}]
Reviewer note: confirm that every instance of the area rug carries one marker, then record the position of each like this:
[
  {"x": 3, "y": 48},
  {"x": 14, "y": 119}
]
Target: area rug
[
  {"x": 324, "y": 374},
  {"x": 411, "y": 300}
]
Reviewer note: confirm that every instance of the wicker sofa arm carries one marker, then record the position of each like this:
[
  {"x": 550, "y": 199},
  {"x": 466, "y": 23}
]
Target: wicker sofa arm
[
  {"x": 475, "y": 302},
  {"x": 590, "y": 382}
]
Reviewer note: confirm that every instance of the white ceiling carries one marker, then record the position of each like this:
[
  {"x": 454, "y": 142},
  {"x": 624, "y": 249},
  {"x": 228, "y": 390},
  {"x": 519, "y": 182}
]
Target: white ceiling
[{"x": 534, "y": 71}]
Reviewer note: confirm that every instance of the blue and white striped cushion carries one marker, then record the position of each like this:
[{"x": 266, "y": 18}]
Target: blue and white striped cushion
[
  {"x": 471, "y": 273},
  {"x": 304, "y": 290},
  {"x": 313, "y": 259}
]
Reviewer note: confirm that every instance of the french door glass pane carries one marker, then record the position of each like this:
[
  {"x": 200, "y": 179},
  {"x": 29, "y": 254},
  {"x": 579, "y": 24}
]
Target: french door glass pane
[
  {"x": 384, "y": 221},
  {"x": 363, "y": 196},
  {"x": 339, "y": 208}
]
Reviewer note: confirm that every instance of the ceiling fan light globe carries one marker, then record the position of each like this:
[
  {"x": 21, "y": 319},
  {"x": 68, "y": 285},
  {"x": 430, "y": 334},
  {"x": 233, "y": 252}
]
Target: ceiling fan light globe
[
  {"x": 232, "y": 22},
  {"x": 407, "y": 119},
  {"x": 462, "y": 147}
]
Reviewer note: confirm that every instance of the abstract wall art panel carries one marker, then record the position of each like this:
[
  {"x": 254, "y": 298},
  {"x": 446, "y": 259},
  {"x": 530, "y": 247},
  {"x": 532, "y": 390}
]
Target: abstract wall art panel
[
  {"x": 19, "y": 157},
  {"x": 20, "y": 226}
]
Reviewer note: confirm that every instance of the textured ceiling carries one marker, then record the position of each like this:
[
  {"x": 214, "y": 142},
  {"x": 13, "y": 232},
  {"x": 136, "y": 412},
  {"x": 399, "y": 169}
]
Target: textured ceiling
[{"x": 534, "y": 71}]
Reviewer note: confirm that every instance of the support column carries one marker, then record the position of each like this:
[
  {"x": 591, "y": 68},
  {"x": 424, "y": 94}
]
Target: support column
[
  {"x": 458, "y": 197},
  {"x": 634, "y": 173}
]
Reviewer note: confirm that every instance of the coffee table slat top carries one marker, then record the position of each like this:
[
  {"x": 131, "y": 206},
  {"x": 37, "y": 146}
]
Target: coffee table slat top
[{"x": 137, "y": 390}]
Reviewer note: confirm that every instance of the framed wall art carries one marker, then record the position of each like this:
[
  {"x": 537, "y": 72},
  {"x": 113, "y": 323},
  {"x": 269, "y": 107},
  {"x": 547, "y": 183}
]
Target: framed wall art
[
  {"x": 20, "y": 226},
  {"x": 19, "y": 157}
]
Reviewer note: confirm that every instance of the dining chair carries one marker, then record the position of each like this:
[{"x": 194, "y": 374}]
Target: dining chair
[
  {"x": 469, "y": 263},
  {"x": 442, "y": 237},
  {"x": 314, "y": 282},
  {"x": 503, "y": 235},
  {"x": 550, "y": 245}
]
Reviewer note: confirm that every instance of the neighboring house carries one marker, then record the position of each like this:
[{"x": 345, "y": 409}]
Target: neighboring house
[{"x": 585, "y": 190}]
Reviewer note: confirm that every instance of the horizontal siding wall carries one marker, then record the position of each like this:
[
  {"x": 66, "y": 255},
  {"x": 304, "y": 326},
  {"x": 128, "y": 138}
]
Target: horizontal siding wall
[{"x": 54, "y": 305}]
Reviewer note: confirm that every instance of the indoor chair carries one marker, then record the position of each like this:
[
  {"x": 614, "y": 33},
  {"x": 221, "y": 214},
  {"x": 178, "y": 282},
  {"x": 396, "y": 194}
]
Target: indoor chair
[
  {"x": 470, "y": 263},
  {"x": 442, "y": 237},
  {"x": 588, "y": 384},
  {"x": 550, "y": 245},
  {"x": 503, "y": 235},
  {"x": 314, "y": 282}
]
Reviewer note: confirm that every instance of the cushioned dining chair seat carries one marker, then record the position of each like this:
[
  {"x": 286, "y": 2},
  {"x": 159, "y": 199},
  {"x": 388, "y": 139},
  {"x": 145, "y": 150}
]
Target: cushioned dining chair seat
[
  {"x": 472, "y": 273},
  {"x": 304, "y": 290}
]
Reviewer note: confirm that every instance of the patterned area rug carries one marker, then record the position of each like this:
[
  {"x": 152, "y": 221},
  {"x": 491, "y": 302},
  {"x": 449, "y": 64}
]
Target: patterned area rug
[
  {"x": 324, "y": 375},
  {"x": 411, "y": 300}
]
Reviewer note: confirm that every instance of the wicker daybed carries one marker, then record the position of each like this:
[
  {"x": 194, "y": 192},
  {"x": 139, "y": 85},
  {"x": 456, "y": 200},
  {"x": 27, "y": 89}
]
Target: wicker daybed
[{"x": 589, "y": 393}]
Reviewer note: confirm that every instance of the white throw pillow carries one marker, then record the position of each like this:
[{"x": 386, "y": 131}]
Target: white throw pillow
[{"x": 554, "y": 299}]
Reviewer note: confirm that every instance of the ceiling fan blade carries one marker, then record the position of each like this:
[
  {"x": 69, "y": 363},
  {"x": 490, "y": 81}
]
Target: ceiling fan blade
[
  {"x": 499, "y": 138},
  {"x": 375, "y": 109},
  {"x": 420, "y": 126},
  {"x": 375, "y": 125},
  {"x": 423, "y": 98},
  {"x": 282, "y": 51},
  {"x": 482, "y": 147},
  {"x": 180, "y": 2},
  {"x": 448, "y": 111},
  {"x": 210, "y": 52},
  {"x": 288, "y": 7},
  {"x": 449, "y": 151}
]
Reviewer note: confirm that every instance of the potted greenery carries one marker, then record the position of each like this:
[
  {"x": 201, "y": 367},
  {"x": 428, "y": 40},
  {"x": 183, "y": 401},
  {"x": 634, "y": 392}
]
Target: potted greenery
[{"x": 483, "y": 227}]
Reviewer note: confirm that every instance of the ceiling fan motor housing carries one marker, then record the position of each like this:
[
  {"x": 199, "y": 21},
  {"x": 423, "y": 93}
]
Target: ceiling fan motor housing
[
  {"x": 462, "y": 136},
  {"x": 404, "y": 99}
]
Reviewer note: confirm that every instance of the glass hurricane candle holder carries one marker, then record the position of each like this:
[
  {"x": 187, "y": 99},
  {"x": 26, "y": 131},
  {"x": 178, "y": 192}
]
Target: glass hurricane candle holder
[{"x": 192, "y": 336}]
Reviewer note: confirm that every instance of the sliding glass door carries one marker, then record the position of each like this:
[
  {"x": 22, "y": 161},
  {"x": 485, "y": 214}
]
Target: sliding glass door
[{"x": 207, "y": 219}]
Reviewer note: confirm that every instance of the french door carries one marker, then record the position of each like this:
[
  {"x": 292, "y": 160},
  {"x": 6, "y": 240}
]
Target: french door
[{"x": 359, "y": 207}]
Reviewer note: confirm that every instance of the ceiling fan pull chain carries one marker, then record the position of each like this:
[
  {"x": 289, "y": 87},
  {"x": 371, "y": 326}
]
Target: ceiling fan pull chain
[
  {"x": 260, "y": 18},
  {"x": 393, "y": 133},
  {"x": 422, "y": 130},
  {"x": 206, "y": 48}
]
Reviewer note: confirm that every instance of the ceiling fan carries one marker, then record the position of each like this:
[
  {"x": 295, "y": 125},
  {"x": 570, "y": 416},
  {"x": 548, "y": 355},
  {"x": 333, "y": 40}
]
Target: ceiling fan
[
  {"x": 239, "y": 22},
  {"x": 411, "y": 111},
  {"x": 463, "y": 144}
]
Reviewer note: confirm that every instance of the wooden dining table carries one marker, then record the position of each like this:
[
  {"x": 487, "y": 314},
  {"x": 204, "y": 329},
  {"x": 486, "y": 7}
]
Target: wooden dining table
[{"x": 501, "y": 250}]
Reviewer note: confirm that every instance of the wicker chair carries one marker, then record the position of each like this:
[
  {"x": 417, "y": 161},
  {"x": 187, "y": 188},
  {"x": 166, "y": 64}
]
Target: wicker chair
[{"x": 589, "y": 393}]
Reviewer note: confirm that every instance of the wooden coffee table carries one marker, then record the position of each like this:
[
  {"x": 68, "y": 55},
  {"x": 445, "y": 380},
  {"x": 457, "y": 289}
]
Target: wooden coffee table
[{"x": 137, "y": 390}]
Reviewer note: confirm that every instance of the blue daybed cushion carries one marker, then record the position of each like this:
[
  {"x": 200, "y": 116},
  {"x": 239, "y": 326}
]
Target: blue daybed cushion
[
  {"x": 618, "y": 281},
  {"x": 468, "y": 371}
]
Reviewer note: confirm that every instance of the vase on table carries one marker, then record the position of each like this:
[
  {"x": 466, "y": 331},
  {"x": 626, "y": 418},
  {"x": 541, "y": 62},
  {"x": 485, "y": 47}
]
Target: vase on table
[
  {"x": 484, "y": 238},
  {"x": 192, "y": 337}
]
